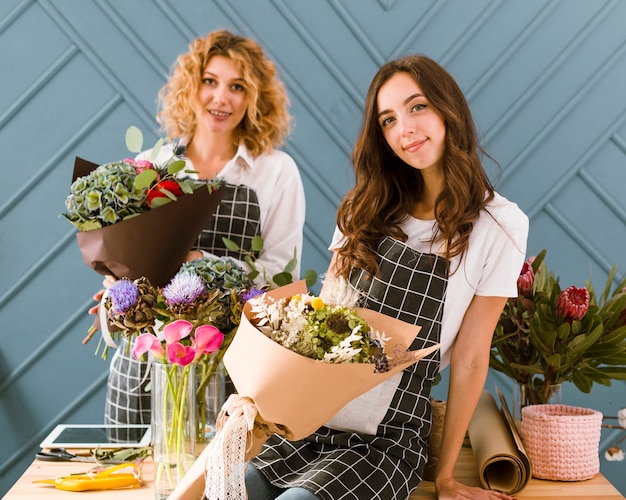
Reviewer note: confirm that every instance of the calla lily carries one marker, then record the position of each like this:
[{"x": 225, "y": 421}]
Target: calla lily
[
  {"x": 180, "y": 354},
  {"x": 207, "y": 340},
  {"x": 177, "y": 330},
  {"x": 148, "y": 342}
]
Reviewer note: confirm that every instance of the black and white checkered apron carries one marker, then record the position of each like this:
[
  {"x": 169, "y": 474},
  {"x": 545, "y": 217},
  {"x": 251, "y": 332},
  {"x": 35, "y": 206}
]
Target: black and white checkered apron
[
  {"x": 347, "y": 465},
  {"x": 238, "y": 218}
]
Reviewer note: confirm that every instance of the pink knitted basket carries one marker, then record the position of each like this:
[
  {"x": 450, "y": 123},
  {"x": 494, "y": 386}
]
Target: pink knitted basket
[{"x": 562, "y": 441}]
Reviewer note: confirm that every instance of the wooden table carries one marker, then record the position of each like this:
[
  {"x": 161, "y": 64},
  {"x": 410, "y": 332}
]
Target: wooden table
[{"x": 597, "y": 488}]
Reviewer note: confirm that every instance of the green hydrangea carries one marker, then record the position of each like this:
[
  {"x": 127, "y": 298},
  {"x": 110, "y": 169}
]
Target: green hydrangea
[{"x": 105, "y": 196}]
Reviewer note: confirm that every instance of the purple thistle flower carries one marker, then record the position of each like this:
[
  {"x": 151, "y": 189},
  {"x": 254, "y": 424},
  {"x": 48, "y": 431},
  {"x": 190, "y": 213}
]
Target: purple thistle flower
[
  {"x": 184, "y": 288},
  {"x": 250, "y": 294},
  {"x": 123, "y": 294}
]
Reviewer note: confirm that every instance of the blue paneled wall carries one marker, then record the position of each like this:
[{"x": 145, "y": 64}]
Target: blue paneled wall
[{"x": 545, "y": 80}]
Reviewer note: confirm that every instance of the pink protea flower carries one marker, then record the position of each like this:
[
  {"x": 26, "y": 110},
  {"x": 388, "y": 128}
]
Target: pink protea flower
[
  {"x": 526, "y": 280},
  {"x": 573, "y": 303}
]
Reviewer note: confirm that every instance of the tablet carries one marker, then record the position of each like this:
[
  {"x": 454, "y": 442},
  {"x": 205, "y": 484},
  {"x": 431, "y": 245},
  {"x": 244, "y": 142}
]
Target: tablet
[{"x": 98, "y": 436}]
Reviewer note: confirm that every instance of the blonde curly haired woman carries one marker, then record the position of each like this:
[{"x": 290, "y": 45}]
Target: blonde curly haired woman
[{"x": 225, "y": 111}]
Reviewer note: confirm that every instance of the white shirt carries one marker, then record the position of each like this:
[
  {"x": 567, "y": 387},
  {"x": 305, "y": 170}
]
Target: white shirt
[{"x": 490, "y": 266}]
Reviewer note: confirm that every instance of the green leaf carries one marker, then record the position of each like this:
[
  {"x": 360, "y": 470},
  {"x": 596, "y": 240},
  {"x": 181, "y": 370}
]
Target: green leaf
[
  {"x": 252, "y": 275},
  {"x": 311, "y": 277},
  {"x": 291, "y": 265},
  {"x": 175, "y": 167},
  {"x": 145, "y": 179},
  {"x": 249, "y": 260},
  {"x": 134, "y": 139},
  {"x": 282, "y": 279},
  {"x": 159, "y": 202},
  {"x": 230, "y": 245},
  {"x": 582, "y": 383},
  {"x": 257, "y": 244},
  {"x": 188, "y": 186},
  {"x": 156, "y": 149},
  {"x": 167, "y": 193}
]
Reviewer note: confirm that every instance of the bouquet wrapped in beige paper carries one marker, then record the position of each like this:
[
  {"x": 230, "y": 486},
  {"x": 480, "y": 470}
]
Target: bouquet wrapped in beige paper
[{"x": 281, "y": 391}]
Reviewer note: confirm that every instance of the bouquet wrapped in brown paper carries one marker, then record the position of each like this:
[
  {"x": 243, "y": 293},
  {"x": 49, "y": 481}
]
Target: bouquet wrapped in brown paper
[
  {"x": 281, "y": 391},
  {"x": 152, "y": 242}
]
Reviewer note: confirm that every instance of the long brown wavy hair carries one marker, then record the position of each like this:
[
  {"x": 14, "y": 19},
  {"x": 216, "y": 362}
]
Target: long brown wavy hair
[
  {"x": 386, "y": 188},
  {"x": 267, "y": 122}
]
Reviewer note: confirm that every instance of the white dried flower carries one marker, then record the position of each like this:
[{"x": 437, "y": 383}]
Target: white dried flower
[
  {"x": 337, "y": 291},
  {"x": 344, "y": 351},
  {"x": 621, "y": 416},
  {"x": 614, "y": 454}
]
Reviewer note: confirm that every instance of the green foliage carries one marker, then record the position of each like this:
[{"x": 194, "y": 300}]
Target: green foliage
[
  {"x": 119, "y": 190},
  {"x": 280, "y": 279},
  {"x": 535, "y": 346}
]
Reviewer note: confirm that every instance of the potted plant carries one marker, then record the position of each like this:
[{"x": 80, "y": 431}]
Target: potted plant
[{"x": 547, "y": 336}]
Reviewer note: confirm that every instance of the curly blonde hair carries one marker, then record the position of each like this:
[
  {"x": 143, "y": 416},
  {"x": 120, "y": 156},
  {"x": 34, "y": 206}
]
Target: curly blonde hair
[
  {"x": 386, "y": 188},
  {"x": 267, "y": 122}
]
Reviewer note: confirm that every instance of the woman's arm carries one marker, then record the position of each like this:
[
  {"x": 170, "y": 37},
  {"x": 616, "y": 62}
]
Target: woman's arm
[{"x": 469, "y": 365}]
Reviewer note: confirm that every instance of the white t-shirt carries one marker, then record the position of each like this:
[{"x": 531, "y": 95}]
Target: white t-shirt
[
  {"x": 490, "y": 266},
  {"x": 275, "y": 178}
]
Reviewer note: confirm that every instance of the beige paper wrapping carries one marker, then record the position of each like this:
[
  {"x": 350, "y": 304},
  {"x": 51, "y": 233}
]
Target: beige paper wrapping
[
  {"x": 283, "y": 392},
  {"x": 503, "y": 463},
  {"x": 300, "y": 394}
]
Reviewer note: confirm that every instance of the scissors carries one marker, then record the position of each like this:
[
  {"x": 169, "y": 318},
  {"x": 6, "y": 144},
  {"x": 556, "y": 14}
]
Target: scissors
[{"x": 62, "y": 455}]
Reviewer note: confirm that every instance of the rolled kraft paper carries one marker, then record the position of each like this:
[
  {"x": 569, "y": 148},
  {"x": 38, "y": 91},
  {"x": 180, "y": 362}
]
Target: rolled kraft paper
[
  {"x": 434, "y": 439},
  {"x": 297, "y": 393},
  {"x": 503, "y": 464}
]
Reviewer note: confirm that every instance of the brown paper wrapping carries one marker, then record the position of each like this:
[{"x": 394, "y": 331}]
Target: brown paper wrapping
[
  {"x": 153, "y": 244},
  {"x": 503, "y": 463},
  {"x": 299, "y": 394}
]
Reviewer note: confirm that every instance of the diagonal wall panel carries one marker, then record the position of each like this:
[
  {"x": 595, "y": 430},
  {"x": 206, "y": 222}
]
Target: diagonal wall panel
[{"x": 545, "y": 81}]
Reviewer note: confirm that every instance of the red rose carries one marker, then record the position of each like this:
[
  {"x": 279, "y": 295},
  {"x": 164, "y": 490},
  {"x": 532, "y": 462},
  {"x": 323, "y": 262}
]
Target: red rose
[{"x": 167, "y": 185}]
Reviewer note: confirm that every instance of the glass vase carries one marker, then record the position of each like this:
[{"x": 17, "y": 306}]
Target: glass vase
[
  {"x": 210, "y": 397},
  {"x": 173, "y": 424},
  {"x": 528, "y": 394}
]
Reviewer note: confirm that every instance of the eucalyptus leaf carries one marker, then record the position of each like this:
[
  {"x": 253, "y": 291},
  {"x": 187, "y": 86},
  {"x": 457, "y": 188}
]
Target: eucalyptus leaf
[
  {"x": 231, "y": 245},
  {"x": 145, "y": 179},
  {"x": 310, "y": 277},
  {"x": 134, "y": 139},
  {"x": 282, "y": 279},
  {"x": 291, "y": 265},
  {"x": 257, "y": 244},
  {"x": 249, "y": 260},
  {"x": 159, "y": 202},
  {"x": 176, "y": 166}
]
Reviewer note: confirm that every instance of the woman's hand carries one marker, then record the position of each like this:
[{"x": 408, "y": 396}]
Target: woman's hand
[
  {"x": 451, "y": 489},
  {"x": 193, "y": 255}
]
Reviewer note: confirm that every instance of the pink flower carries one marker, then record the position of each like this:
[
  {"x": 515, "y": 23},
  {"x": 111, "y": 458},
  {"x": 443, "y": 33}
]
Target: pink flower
[
  {"x": 526, "y": 280},
  {"x": 180, "y": 354},
  {"x": 573, "y": 303},
  {"x": 140, "y": 165},
  {"x": 177, "y": 330},
  {"x": 148, "y": 342},
  {"x": 207, "y": 340}
]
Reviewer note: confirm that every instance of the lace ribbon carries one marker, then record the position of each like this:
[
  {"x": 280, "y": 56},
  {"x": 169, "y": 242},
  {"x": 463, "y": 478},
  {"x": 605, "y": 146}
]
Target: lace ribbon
[{"x": 240, "y": 436}]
